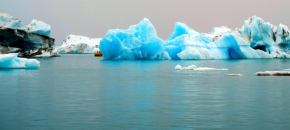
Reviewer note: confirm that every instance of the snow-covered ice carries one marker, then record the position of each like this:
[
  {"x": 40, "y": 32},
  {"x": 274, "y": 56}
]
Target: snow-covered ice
[
  {"x": 78, "y": 44},
  {"x": 11, "y": 61},
  {"x": 256, "y": 39}
]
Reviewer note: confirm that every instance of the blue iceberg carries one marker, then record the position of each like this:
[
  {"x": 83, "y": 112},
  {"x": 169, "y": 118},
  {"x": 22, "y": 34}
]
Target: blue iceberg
[
  {"x": 139, "y": 42},
  {"x": 256, "y": 39},
  {"x": 11, "y": 61}
]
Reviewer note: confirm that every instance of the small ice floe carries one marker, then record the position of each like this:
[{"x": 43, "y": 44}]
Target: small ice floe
[
  {"x": 179, "y": 67},
  {"x": 273, "y": 73},
  {"x": 207, "y": 68},
  {"x": 233, "y": 75},
  {"x": 11, "y": 61},
  {"x": 193, "y": 67}
]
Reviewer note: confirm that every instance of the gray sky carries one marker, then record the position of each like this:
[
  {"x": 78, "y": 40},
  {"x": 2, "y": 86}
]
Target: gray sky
[{"x": 93, "y": 18}]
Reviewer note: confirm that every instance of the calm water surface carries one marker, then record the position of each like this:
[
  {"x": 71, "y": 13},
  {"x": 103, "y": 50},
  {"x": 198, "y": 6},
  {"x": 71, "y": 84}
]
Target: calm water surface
[{"x": 87, "y": 92}]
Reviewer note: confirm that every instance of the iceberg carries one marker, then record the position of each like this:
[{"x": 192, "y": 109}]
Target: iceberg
[
  {"x": 24, "y": 38},
  {"x": 222, "y": 43},
  {"x": 11, "y": 61},
  {"x": 139, "y": 42},
  {"x": 78, "y": 44},
  {"x": 256, "y": 39}
]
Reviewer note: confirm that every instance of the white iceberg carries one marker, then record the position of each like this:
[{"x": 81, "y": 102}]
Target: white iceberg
[
  {"x": 11, "y": 61},
  {"x": 75, "y": 44},
  {"x": 256, "y": 39}
]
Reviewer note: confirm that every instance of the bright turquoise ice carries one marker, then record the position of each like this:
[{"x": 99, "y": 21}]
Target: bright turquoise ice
[
  {"x": 11, "y": 61},
  {"x": 256, "y": 39},
  {"x": 139, "y": 42}
]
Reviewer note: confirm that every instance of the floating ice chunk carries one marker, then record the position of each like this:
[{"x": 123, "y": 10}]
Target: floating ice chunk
[
  {"x": 207, "y": 68},
  {"x": 139, "y": 42},
  {"x": 193, "y": 67},
  {"x": 11, "y": 61},
  {"x": 179, "y": 67},
  {"x": 78, "y": 44},
  {"x": 39, "y": 27},
  {"x": 233, "y": 75}
]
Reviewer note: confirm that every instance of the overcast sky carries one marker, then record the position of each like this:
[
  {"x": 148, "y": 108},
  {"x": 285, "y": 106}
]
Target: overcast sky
[{"x": 93, "y": 18}]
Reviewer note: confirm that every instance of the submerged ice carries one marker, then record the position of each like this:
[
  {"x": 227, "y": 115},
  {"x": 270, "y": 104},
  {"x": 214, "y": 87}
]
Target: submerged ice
[
  {"x": 256, "y": 39},
  {"x": 11, "y": 61}
]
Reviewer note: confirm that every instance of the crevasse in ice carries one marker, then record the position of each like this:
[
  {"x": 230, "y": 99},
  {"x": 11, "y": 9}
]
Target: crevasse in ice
[
  {"x": 139, "y": 42},
  {"x": 78, "y": 44},
  {"x": 256, "y": 39},
  {"x": 11, "y": 61}
]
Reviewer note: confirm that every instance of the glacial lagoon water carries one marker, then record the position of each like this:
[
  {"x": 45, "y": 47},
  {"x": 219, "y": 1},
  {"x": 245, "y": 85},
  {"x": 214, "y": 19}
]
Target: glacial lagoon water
[{"x": 87, "y": 92}]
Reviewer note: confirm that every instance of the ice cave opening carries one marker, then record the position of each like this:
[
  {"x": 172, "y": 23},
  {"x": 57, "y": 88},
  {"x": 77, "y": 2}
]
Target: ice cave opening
[{"x": 261, "y": 47}]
